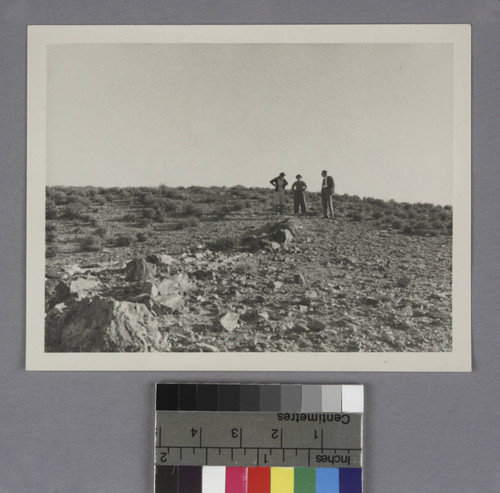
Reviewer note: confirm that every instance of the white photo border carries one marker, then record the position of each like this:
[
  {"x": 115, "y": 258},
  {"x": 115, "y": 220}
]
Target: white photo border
[{"x": 40, "y": 37}]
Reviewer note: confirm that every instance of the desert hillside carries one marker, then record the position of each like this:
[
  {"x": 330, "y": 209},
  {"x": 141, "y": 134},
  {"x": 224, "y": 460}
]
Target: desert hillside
[{"x": 214, "y": 269}]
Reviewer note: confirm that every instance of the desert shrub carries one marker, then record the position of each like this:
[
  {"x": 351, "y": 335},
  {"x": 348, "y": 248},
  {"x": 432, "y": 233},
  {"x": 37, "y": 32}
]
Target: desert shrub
[
  {"x": 195, "y": 189},
  {"x": 50, "y": 236},
  {"x": 247, "y": 266},
  {"x": 150, "y": 199},
  {"x": 396, "y": 224},
  {"x": 99, "y": 199},
  {"x": 221, "y": 213},
  {"x": 447, "y": 207},
  {"x": 90, "y": 243},
  {"x": 192, "y": 210},
  {"x": 144, "y": 222},
  {"x": 101, "y": 231},
  {"x": 88, "y": 218},
  {"x": 129, "y": 218},
  {"x": 223, "y": 244},
  {"x": 78, "y": 199},
  {"x": 238, "y": 191},
  {"x": 142, "y": 237},
  {"x": 51, "y": 251},
  {"x": 356, "y": 216},
  {"x": 169, "y": 205},
  {"x": 407, "y": 228},
  {"x": 50, "y": 227},
  {"x": 237, "y": 206},
  {"x": 377, "y": 215},
  {"x": 208, "y": 199},
  {"x": 248, "y": 203},
  {"x": 421, "y": 226},
  {"x": 169, "y": 193},
  {"x": 58, "y": 196},
  {"x": 50, "y": 209},
  {"x": 72, "y": 211},
  {"x": 189, "y": 222},
  {"x": 123, "y": 240},
  {"x": 148, "y": 213},
  {"x": 437, "y": 225}
]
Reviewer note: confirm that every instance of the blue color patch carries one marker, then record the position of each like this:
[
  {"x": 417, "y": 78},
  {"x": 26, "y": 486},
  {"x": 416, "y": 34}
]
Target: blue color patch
[
  {"x": 350, "y": 480},
  {"x": 327, "y": 480}
]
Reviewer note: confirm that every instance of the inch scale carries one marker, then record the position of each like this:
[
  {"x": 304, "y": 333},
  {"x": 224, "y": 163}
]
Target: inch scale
[{"x": 272, "y": 439}]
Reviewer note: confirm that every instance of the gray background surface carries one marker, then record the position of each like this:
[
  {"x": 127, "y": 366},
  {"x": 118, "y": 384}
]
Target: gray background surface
[{"x": 93, "y": 432}]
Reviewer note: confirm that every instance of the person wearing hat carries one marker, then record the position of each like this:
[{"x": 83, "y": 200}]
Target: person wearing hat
[
  {"x": 299, "y": 196},
  {"x": 327, "y": 190},
  {"x": 279, "y": 183}
]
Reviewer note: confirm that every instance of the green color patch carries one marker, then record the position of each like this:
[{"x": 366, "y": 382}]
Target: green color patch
[{"x": 304, "y": 480}]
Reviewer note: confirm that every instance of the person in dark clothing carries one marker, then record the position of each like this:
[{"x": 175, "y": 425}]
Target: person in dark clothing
[
  {"x": 299, "y": 197},
  {"x": 327, "y": 190},
  {"x": 279, "y": 183}
]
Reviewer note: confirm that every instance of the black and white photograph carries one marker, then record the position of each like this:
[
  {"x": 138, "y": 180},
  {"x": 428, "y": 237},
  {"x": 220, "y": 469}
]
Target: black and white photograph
[{"x": 249, "y": 197}]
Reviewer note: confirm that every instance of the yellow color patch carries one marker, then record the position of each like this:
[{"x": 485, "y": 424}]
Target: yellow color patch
[{"x": 281, "y": 479}]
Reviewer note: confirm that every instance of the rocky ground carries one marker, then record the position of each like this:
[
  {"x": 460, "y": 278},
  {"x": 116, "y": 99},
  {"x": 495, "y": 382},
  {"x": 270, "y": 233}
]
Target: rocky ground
[{"x": 215, "y": 270}]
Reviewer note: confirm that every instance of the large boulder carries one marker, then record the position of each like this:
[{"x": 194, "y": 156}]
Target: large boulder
[
  {"x": 139, "y": 270},
  {"x": 281, "y": 233},
  {"x": 103, "y": 324},
  {"x": 170, "y": 297},
  {"x": 75, "y": 289}
]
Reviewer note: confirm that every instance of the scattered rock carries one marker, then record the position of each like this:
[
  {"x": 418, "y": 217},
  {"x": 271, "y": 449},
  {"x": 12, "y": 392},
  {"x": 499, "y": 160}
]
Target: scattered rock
[
  {"x": 299, "y": 279},
  {"x": 277, "y": 285},
  {"x": 403, "y": 282},
  {"x": 207, "y": 348},
  {"x": 103, "y": 324},
  {"x": 229, "y": 321},
  {"x": 316, "y": 325},
  {"x": 160, "y": 259},
  {"x": 76, "y": 289},
  {"x": 371, "y": 300},
  {"x": 169, "y": 303},
  {"x": 203, "y": 275},
  {"x": 170, "y": 294},
  {"x": 139, "y": 270},
  {"x": 150, "y": 289}
]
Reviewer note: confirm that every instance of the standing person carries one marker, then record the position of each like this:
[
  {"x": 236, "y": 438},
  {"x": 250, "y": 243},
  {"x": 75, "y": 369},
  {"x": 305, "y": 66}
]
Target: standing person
[
  {"x": 299, "y": 198},
  {"x": 279, "y": 183},
  {"x": 327, "y": 189}
]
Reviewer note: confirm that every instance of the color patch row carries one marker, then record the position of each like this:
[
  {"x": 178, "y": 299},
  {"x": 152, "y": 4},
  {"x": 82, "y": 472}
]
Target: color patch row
[
  {"x": 267, "y": 398},
  {"x": 219, "y": 479}
]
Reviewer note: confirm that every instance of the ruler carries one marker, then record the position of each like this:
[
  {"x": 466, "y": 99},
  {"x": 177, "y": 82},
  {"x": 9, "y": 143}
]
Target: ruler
[{"x": 259, "y": 439}]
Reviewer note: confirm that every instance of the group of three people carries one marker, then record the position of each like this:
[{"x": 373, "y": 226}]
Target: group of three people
[{"x": 299, "y": 197}]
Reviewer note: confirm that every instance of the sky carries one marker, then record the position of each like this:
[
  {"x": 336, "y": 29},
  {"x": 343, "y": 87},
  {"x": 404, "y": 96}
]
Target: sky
[{"x": 377, "y": 117}]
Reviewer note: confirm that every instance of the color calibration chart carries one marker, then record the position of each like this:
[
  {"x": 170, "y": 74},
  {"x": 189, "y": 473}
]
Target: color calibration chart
[{"x": 252, "y": 438}]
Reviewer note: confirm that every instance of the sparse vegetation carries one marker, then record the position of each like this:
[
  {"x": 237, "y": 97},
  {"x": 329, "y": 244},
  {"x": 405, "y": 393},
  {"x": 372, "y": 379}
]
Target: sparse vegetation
[
  {"x": 189, "y": 222},
  {"x": 52, "y": 251},
  {"x": 223, "y": 244},
  {"x": 90, "y": 243},
  {"x": 201, "y": 230},
  {"x": 123, "y": 240},
  {"x": 192, "y": 210}
]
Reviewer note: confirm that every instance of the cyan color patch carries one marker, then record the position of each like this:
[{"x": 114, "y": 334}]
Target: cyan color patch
[{"x": 327, "y": 480}]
